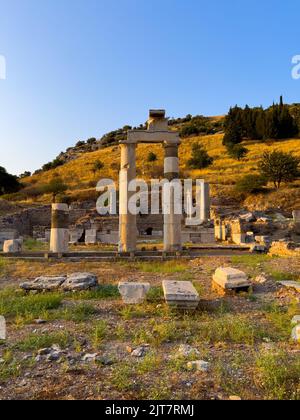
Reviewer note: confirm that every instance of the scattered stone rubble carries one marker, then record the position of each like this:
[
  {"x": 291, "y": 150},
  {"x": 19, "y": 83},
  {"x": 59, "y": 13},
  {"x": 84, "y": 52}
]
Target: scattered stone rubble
[
  {"x": 134, "y": 293},
  {"x": 72, "y": 282},
  {"x": 199, "y": 366},
  {"x": 291, "y": 285},
  {"x": 231, "y": 279},
  {"x": 12, "y": 246},
  {"x": 139, "y": 351},
  {"x": 296, "y": 329},
  {"x": 186, "y": 350},
  {"x": 284, "y": 248}
]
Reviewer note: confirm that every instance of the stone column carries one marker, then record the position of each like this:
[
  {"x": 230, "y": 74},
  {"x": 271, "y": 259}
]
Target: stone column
[
  {"x": 172, "y": 221},
  {"x": 205, "y": 202},
  {"x": 127, "y": 223},
  {"x": 59, "y": 240},
  {"x": 296, "y": 217}
]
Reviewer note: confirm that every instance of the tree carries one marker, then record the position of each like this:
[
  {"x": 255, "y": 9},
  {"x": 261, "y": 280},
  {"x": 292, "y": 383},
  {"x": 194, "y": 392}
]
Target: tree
[
  {"x": 237, "y": 151},
  {"x": 279, "y": 167},
  {"x": 80, "y": 144},
  {"x": 189, "y": 131},
  {"x": 52, "y": 165},
  {"x": 97, "y": 166},
  {"x": 152, "y": 157},
  {"x": 200, "y": 158},
  {"x": 25, "y": 174},
  {"x": 91, "y": 141},
  {"x": 8, "y": 183},
  {"x": 250, "y": 184},
  {"x": 55, "y": 187}
]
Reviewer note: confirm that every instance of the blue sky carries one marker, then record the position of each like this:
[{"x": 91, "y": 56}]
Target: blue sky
[{"x": 79, "y": 68}]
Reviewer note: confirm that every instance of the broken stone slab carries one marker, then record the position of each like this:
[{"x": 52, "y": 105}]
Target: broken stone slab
[
  {"x": 89, "y": 357},
  {"x": 296, "y": 320},
  {"x": 199, "y": 366},
  {"x": 80, "y": 282},
  {"x": 181, "y": 294},
  {"x": 291, "y": 285},
  {"x": 73, "y": 282},
  {"x": 229, "y": 278},
  {"x": 140, "y": 351},
  {"x": 261, "y": 279},
  {"x": 44, "y": 283},
  {"x": 51, "y": 354},
  {"x": 263, "y": 239},
  {"x": 296, "y": 334},
  {"x": 249, "y": 217},
  {"x": 12, "y": 246},
  {"x": 258, "y": 248},
  {"x": 133, "y": 293},
  {"x": 185, "y": 350}
]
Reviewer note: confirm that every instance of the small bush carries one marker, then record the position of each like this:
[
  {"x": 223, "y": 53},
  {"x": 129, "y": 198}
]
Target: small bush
[
  {"x": 250, "y": 184},
  {"x": 36, "y": 342},
  {"x": 152, "y": 157},
  {"x": 77, "y": 313},
  {"x": 237, "y": 151},
  {"x": 200, "y": 158},
  {"x": 279, "y": 375},
  {"x": 98, "y": 333},
  {"x": 14, "y": 303}
]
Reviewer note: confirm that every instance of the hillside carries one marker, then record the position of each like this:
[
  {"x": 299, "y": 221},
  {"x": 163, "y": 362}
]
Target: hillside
[{"x": 79, "y": 177}]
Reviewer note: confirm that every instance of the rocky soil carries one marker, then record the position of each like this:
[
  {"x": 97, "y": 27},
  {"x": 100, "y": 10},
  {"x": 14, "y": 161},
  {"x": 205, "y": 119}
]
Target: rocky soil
[{"x": 89, "y": 345}]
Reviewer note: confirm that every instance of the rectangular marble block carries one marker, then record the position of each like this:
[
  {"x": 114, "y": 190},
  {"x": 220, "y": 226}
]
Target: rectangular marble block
[
  {"x": 181, "y": 294},
  {"x": 133, "y": 293},
  {"x": 230, "y": 278},
  {"x": 291, "y": 285}
]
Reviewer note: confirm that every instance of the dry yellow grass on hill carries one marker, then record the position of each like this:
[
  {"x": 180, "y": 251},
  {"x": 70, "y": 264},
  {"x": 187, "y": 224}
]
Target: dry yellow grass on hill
[{"x": 222, "y": 175}]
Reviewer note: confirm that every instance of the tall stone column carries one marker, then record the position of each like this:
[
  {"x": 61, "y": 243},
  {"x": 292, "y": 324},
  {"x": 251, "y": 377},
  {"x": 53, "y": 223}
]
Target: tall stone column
[
  {"x": 127, "y": 223},
  {"x": 172, "y": 221},
  {"x": 59, "y": 240},
  {"x": 296, "y": 217},
  {"x": 205, "y": 202}
]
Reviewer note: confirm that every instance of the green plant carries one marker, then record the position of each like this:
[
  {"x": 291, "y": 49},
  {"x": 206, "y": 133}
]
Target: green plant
[
  {"x": 149, "y": 363},
  {"x": 121, "y": 377},
  {"x": 279, "y": 375},
  {"x": 31, "y": 244},
  {"x": 55, "y": 187},
  {"x": 155, "y": 294},
  {"x": 229, "y": 328},
  {"x": 77, "y": 313},
  {"x": 279, "y": 167},
  {"x": 237, "y": 151},
  {"x": 13, "y": 303},
  {"x": 8, "y": 183},
  {"x": 98, "y": 333},
  {"x": 200, "y": 158},
  {"x": 250, "y": 184},
  {"x": 169, "y": 267},
  {"x": 101, "y": 292},
  {"x": 152, "y": 157},
  {"x": 36, "y": 341}
]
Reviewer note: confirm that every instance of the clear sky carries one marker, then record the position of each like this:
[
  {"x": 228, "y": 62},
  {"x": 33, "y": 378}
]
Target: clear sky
[{"x": 79, "y": 68}]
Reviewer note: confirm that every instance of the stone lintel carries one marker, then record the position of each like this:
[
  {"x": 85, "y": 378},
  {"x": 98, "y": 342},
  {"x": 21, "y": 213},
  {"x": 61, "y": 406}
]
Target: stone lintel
[{"x": 142, "y": 136}]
